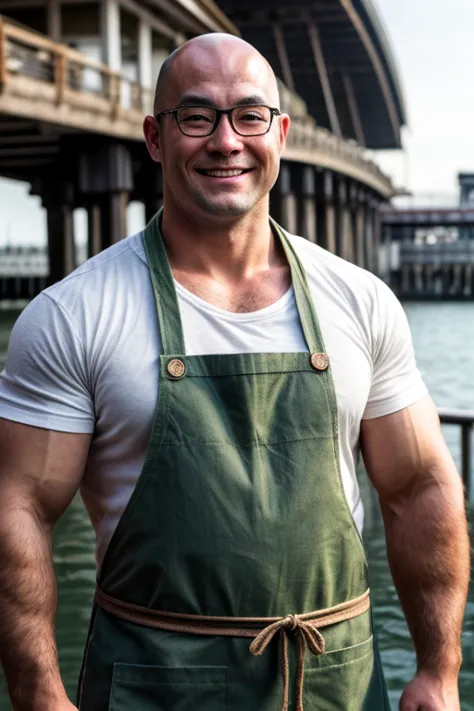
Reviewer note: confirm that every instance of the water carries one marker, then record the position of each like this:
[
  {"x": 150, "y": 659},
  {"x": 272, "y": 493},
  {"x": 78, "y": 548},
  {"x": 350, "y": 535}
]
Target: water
[{"x": 444, "y": 344}]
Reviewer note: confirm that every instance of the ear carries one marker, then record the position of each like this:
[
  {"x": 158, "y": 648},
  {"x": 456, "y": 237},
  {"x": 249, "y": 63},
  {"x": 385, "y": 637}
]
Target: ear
[
  {"x": 285, "y": 123},
  {"x": 151, "y": 129}
]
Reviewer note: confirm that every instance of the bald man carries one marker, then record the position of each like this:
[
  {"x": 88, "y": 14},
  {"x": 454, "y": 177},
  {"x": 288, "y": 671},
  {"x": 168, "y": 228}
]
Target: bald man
[{"x": 208, "y": 384}]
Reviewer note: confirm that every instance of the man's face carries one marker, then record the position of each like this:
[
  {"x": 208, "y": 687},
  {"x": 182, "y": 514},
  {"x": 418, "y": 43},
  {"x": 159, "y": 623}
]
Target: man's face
[{"x": 225, "y": 174}]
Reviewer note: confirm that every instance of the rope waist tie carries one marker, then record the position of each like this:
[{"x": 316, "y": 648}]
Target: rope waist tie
[{"x": 305, "y": 628}]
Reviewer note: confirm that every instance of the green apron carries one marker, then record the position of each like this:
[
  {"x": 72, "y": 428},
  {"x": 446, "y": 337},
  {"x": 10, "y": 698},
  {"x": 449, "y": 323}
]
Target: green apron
[{"x": 239, "y": 511}]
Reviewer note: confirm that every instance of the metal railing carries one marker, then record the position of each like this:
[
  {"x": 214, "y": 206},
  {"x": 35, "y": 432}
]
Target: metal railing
[
  {"x": 459, "y": 252},
  {"x": 465, "y": 420}
]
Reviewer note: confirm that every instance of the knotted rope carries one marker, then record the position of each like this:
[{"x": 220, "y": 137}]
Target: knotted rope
[
  {"x": 304, "y": 628},
  {"x": 306, "y": 636}
]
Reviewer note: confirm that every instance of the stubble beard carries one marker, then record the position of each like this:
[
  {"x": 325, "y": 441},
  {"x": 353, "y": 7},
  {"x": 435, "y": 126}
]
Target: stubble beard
[{"x": 226, "y": 206}]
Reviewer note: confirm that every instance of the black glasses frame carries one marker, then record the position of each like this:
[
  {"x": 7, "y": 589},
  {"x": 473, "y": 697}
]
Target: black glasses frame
[{"x": 219, "y": 114}]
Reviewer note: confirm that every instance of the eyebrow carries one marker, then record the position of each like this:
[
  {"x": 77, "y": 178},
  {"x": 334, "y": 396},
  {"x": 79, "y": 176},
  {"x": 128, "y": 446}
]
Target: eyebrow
[{"x": 197, "y": 100}]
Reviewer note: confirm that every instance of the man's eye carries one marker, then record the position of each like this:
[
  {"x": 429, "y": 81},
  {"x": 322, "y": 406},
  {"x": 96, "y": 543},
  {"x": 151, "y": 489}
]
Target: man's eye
[
  {"x": 251, "y": 117},
  {"x": 196, "y": 118}
]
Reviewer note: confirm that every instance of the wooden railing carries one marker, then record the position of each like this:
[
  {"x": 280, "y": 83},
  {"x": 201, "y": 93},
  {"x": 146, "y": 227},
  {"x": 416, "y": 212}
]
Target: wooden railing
[
  {"x": 51, "y": 82},
  {"x": 64, "y": 76}
]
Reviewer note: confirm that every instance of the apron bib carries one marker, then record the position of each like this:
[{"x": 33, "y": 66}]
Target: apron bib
[{"x": 239, "y": 513}]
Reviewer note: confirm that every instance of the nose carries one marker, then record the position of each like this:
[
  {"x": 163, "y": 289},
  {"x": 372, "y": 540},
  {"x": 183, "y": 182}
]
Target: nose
[{"x": 224, "y": 140}]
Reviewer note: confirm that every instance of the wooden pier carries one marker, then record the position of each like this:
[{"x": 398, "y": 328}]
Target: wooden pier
[{"x": 71, "y": 124}]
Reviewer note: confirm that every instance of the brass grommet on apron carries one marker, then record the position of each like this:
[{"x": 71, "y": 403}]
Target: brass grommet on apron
[
  {"x": 320, "y": 361},
  {"x": 176, "y": 369}
]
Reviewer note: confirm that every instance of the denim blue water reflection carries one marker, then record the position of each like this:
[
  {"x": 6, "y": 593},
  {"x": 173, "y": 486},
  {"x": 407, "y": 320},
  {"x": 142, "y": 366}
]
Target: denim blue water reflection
[{"x": 444, "y": 345}]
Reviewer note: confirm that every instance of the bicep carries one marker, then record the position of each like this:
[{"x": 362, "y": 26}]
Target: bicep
[
  {"x": 40, "y": 469},
  {"x": 405, "y": 451}
]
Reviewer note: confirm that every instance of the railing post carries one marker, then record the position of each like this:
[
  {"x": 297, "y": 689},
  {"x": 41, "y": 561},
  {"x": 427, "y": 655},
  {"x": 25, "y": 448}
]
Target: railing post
[
  {"x": 466, "y": 455},
  {"x": 60, "y": 74},
  {"x": 115, "y": 87},
  {"x": 3, "y": 56}
]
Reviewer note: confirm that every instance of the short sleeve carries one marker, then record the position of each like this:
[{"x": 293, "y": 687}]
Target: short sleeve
[
  {"x": 396, "y": 381},
  {"x": 45, "y": 380}
]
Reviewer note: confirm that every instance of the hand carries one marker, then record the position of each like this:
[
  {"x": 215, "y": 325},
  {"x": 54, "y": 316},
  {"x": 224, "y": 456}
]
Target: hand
[{"x": 429, "y": 692}]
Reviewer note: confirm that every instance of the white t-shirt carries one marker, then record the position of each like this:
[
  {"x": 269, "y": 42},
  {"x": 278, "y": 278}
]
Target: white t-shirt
[{"x": 83, "y": 357}]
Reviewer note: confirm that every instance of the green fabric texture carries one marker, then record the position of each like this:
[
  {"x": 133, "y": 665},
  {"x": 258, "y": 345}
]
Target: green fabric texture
[{"x": 239, "y": 511}]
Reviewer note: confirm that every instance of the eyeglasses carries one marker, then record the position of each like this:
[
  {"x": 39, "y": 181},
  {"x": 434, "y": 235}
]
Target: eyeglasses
[{"x": 200, "y": 121}]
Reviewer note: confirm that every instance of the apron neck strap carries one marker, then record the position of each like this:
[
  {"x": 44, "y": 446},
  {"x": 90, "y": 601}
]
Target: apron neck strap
[
  {"x": 169, "y": 319},
  {"x": 304, "y": 302}
]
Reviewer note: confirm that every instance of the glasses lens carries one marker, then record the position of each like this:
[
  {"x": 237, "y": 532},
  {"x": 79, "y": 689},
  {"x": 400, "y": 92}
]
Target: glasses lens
[
  {"x": 196, "y": 120},
  {"x": 252, "y": 120}
]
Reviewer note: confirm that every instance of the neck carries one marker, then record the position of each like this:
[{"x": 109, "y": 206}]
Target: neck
[{"x": 237, "y": 247}]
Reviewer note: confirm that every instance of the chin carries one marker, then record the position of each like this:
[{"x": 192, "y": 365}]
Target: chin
[{"x": 226, "y": 208}]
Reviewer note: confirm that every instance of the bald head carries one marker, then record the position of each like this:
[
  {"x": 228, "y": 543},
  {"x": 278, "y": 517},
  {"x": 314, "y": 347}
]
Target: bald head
[{"x": 214, "y": 58}]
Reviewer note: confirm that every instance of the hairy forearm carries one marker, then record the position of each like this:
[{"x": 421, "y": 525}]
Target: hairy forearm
[
  {"x": 428, "y": 552},
  {"x": 28, "y": 600}
]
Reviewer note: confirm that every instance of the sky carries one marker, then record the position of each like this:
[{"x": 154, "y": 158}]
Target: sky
[{"x": 432, "y": 41}]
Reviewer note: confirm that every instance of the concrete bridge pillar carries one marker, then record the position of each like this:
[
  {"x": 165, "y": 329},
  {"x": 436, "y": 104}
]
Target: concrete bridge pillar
[
  {"x": 94, "y": 229},
  {"x": 58, "y": 199},
  {"x": 372, "y": 235},
  {"x": 418, "y": 274},
  {"x": 114, "y": 217},
  {"x": 344, "y": 236},
  {"x": 468, "y": 280},
  {"x": 376, "y": 236},
  {"x": 304, "y": 185},
  {"x": 148, "y": 187},
  {"x": 283, "y": 201},
  {"x": 369, "y": 237},
  {"x": 326, "y": 213},
  {"x": 111, "y": 33},
  {"x": 405, "y": 281},
  {"x": 105, "y": 182},
  {"x": 53, "y": 20},
  {"x": 360, "y": 229},
  {"x": 429, "y": 279},
  {"x": 456, "y": 285}
]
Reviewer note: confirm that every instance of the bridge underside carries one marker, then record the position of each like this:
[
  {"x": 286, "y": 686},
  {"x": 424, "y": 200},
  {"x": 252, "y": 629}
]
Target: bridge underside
[
  {"x": 332, "y": 54},
  {"x": 71, "y": 126}
]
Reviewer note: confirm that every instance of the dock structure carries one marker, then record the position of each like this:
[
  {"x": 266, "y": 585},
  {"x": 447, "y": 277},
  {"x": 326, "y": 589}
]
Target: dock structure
[
  {"x": 429, "y": 251},
  {"x": 77, "y": 77}
]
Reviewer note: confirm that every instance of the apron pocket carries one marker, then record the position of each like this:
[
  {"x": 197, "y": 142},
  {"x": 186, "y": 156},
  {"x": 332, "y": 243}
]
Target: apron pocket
[
  {"x": 345, "y": 680},
  {"x": 147, "y": 688}
]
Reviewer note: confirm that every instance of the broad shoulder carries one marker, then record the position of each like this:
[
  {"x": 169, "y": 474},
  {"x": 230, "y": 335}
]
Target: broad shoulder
[
  {"x": 98, "y": 279},
  {"x": 97, "y": 301},
  {"x": 341, "y": 282}
]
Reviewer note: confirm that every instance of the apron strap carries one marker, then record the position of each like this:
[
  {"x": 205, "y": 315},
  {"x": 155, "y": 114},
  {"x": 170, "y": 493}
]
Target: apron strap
[
  {"x": 304, "y": 302},
  {"x": 169, "y": 319}
]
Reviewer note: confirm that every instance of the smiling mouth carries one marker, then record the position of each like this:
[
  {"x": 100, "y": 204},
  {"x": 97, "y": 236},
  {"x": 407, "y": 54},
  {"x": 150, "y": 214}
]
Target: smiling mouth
[{"x": 224, "y": 172}]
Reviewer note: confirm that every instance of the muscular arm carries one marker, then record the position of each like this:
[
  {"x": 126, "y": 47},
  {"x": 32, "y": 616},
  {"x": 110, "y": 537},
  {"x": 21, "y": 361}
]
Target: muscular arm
[
  {"x": 422, "y": 503},
  {"x": 40, "y": 471}
]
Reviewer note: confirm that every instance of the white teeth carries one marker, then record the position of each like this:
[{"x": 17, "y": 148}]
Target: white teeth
[{"x": 224, "y": 173}]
